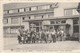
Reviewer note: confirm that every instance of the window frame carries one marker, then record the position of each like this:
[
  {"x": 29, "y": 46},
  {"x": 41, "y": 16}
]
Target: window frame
[
  {"x": 13, "y": 21},
  {"x": 5, "y": 20}
]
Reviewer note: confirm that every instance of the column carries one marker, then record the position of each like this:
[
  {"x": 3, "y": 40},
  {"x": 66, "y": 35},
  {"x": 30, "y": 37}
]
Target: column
[
  {"x": 26, "y": 25},
  {"x": 70, "y": 22}
]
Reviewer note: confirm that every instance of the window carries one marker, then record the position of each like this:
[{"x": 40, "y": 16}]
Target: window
[
  {"x": 21, "y": 10},
  {"x": 58, "y": 22},
  {"x": 33, "y": 8},
  {"x": 68, "y": 12},
  {"x": 29, "y": 17},
  {"x": 63, "y": 21},
  {"x": 75, "y": 21},
  {"x": 38, "y": 16},
  {"x": 23, "y": 18},
  {"x": 52, "y": 22},
  {"x": 42, "y": 16},
  {"x": 45, "y": 16},
  {"x": 5, "y": 12},
  {"x": 5, "y": 21},
  {"x": 76, "y": 29},
  {"x": 29, "y": 9},
  {"x": 32, "y": 16},
  {"x": 10, "y": 11},
  {"x": 26, "y": 9},
  {"x": 44, "y": 7},
  {"x": 14, "y": 20},
  {"x": 15, "y": 11},
  {"x": 6, "y": 30},
  {"x": 75, "y": 12},
  {"x": 14, "y": 29},
  {"x": 50, "y": 15}
]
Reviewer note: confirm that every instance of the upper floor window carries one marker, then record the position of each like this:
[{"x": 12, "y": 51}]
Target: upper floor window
[
  {"x": 51, "y": 15},
  {"x": 44, "y": 7},
  {"x": 29, "y": 17},
  {"x": 37, "y": 16},
  {"x": 75, "y": 12},
  {"x": 13, "y": 11},
  {"x": 21, "y": 10},
  {"x": 33, "y": 8},
  {"x": 69, "y": 12},
  {"x": 32, "y": 16},
  {"x": 5, "y": 21},
  {"x": 14, "y": 20},
  {"x": 5, "y": 12},
  {"x": 45, "y": 16},
  {"x": 10, "y": 11},
  {"x": 23, "y": 18},
  {"x": 26, "y": 9}
]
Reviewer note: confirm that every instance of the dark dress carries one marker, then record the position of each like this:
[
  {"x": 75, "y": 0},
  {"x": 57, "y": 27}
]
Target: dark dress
[{"x": 19, "y": 39}]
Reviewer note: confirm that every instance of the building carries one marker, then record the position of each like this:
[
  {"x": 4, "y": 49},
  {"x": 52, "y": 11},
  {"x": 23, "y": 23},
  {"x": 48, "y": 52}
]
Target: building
[{"x": 40, "y": 16}]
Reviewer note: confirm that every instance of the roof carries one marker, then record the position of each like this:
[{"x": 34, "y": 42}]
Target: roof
[{"x": 22, "y": 5}]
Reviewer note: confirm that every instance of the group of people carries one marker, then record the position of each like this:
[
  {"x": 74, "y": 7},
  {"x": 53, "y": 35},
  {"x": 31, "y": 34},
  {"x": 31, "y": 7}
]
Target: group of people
[{"x": 43, "y": 36}]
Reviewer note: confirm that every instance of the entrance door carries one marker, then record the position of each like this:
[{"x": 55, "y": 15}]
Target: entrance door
[{"x": 36, "y": 25}]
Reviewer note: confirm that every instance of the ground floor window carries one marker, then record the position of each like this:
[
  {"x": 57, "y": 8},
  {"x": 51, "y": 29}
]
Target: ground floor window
[
  {"x": 6, "y": 30},
  {"x": 76, "y": 29},
  {"x": 11, "y": 30}
]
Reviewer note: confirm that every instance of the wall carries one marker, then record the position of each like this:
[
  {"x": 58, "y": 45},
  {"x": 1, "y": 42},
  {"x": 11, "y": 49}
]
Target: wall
[{"x": 60, "y": 10}]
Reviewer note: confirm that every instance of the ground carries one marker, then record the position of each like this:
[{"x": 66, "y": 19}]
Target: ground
[{"x": 12, "y": 44}]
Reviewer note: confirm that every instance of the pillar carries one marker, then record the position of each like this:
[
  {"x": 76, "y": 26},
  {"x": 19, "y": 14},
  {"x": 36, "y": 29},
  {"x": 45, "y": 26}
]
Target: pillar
[
  {"x": 26, "y": 25},
  {"x": 70, "y": 22}
]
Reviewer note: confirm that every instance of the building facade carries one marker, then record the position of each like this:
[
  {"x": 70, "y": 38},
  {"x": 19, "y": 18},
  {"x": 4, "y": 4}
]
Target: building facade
[{"x": 38, "y": 16}]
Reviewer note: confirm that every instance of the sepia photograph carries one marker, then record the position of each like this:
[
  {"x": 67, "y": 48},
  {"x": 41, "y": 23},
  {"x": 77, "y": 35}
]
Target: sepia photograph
[{"x": 46, "y": 26}]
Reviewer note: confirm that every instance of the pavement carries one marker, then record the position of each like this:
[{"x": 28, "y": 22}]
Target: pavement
[{"x": 12, "y": 44}]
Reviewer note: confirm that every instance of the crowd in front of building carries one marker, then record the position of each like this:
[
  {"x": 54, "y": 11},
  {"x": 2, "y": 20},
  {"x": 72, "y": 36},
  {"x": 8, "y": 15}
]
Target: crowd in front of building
[{"x": 43, "y": 36}]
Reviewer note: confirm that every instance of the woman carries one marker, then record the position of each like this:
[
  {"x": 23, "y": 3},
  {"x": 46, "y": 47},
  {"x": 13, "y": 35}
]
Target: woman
[
  {"x": 33, "y": 35},
  {"x": 62, "y": 35},
  {"x": 20, "y": 33},
  {"x": 37, "y": 37},
  {"x": 59, "y": 35},
  {"x": 53, "y": 34},
  {"x": 43, "y": 37},
  {"x": 49, "y": 36},
  {"x": 28, "y": 36}
]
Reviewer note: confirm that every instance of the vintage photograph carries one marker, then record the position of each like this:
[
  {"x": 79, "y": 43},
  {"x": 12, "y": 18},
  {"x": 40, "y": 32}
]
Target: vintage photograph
[{"x": 46, "y": 26}]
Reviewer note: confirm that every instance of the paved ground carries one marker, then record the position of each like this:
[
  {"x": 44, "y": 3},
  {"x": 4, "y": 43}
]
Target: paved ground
[{"x": 11, "y": 44}]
